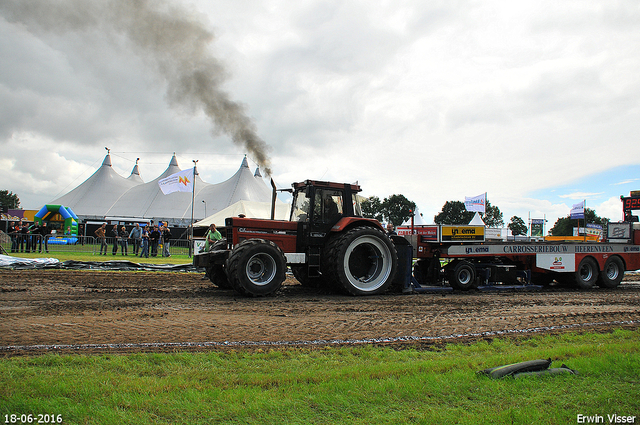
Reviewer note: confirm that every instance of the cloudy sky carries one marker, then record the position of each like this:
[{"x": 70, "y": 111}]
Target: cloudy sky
[{"x": 535, "y": 103}]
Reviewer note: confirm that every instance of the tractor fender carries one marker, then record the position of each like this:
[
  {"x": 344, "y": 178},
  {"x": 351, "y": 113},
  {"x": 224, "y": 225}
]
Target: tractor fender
[{"x": 347, "y": 222}]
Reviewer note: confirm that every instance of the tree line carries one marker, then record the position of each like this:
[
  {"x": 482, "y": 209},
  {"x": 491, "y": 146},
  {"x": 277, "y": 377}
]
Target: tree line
[{"x": 397, "y": 209}]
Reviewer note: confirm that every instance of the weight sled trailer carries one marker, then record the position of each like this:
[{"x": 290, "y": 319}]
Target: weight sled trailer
[{"x": 460, "y": 256}]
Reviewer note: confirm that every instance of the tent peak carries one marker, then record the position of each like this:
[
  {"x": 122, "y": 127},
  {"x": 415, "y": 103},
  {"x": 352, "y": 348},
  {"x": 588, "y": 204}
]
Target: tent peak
[
  {"x": 174, "y": 160},
  {"x": 245, "y": 163},
  {"x": 257, "y": 173},
  {"x": 107, "y": 160}
]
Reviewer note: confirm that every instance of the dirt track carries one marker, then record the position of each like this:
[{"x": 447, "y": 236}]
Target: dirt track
[{"x": 54, "y": 307}]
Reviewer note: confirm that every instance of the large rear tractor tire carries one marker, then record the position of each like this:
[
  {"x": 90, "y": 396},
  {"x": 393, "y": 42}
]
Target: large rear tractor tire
[
  {"x": 462, "y": 276},
  {"x": 218, "y": 276},
  {"x": 586, "y": 275},
  {"x": 361, "y": 261},
  {"x": 256, "y": 267},
  {"x": 612, "y": 274}
]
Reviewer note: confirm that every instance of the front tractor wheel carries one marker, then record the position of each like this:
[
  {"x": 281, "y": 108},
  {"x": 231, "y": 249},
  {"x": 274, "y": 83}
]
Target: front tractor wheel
[
  {"x": 362, "y": 261},
  {"x": 256, "y": 267}
]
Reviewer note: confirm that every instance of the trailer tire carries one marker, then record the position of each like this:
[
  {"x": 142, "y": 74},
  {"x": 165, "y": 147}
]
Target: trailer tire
[
  {"x": 218, "y": 276},
  {"x": 587, "y": 274},
  {"x": 463, "y": 276},
  {"x": 612, "y": 273},
  {"x": 361, "y": 261},
  {"x": 256, "y": 267}
]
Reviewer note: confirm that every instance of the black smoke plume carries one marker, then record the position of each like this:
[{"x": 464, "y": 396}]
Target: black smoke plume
[{"x": 172, "y": 41}]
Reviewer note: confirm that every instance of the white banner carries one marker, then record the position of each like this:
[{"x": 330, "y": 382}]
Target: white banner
[
  {"x": 179, "y": 182},
  {"x": 577, "y": 211},
  {"x": 475, "y": 203}
]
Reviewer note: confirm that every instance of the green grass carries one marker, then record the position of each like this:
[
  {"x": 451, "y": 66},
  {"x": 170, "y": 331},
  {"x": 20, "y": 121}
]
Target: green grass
[
  {"x": 363, "y": 385},
  {"x": 89, "y": 256}
]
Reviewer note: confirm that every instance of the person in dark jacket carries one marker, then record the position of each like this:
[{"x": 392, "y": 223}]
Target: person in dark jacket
[
  {"x": 45, "y": 232},
  {"x": 115, "y": 234},
  {"x": 154, "y": 238}
]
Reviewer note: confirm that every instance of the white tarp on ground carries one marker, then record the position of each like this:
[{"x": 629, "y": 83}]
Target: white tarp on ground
[
  {"x": 250, "y": 209},
  {"x": 8, "y": 261}
]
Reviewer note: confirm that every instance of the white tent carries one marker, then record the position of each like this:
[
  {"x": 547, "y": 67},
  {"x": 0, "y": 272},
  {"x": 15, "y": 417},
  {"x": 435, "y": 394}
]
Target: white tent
[
  {"x": 147, "y": 201},
  {"x": 93, "y": 198},
  {"x": 476, "y": 220},
  {"x": 417, "y": 220},
  {"x": 250, "y": 209},
  {"x": 107, "y": 194}
]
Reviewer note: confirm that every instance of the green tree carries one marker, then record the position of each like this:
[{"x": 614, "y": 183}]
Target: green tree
[
  {"x": 9, "y": 200},
  {"x": 564, "y": 225},
  {"x": 492, "y": 216},
  {"x": 396, "y": 208},
  {"x": 372, "y": 208},
  {"x": 453, "y": 212},
  {"x": 517, "y": 226}
]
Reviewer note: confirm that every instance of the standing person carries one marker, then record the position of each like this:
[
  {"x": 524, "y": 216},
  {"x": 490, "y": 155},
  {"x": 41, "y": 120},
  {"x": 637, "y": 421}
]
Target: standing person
[
  {"x": 14, "y": 236},
  {"x": 123, "y": 240},
  {"x": 115, "y": 234},
  {"x": 24, "y": 231},
  {"x": 212, "y": 237},
  {"x": 101, "y": 234},
  {"x": 31, "y": 237},
  {"x": 81, "y": 234},
  {"x": 144, "y": 236},
  {"x": 44, "y": 234},
  {"x": 154, "y": 237},
  {"x": 391, "y": 231},
  {"x": 166, "y": 240},
  {"x": 136, "y": 236}
]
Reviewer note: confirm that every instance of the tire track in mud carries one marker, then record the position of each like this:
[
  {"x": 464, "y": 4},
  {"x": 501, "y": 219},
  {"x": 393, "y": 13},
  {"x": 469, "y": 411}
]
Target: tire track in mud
[{"x": 96, "y": 309}]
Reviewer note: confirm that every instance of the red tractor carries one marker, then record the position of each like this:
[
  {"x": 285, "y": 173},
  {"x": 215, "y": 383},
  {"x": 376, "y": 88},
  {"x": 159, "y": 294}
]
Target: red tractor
[{"x": 326, "y": 242}]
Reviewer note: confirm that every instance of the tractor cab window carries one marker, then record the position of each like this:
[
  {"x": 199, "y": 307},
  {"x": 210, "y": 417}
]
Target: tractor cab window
[
  {"x": 301, "y": 205},
  {"x": 328, "y": 206},
  {"x": 357, "y": 210}
]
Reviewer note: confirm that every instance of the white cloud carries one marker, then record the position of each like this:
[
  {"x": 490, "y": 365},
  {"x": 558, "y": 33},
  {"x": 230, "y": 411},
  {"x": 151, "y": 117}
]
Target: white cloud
[{"x": 434, "y": 100}]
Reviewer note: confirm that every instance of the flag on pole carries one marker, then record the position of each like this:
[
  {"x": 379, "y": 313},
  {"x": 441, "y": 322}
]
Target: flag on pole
[
  {"x": 476, "y": 203},
  {"x": 181, "y": 181},
  {"x": 577, "y": 211}
]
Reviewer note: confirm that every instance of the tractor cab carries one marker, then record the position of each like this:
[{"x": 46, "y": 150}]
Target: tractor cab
[{"x": 319, "y": 205}]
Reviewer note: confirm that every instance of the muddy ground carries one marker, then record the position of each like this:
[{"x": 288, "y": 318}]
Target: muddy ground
[{"x": 95, "y": 311}]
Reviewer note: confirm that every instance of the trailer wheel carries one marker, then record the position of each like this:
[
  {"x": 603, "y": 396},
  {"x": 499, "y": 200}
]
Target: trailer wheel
[
  {"x": 587, "y": 274},
  {"x": 362, "y": 261},
  {"x": 612, "y": 274},
  {"x": 218, "y": 276},
  {"x": 463, "y": 276},
  {"x": 256, "y": 267}
]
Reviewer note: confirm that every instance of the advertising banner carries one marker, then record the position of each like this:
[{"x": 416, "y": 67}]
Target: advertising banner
[
  {"x": 427, "y": 233},
  {"x": 462, "y": 233},
  {"x": 556, "y": 262},
  {"x": 537, "y": 227}
]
